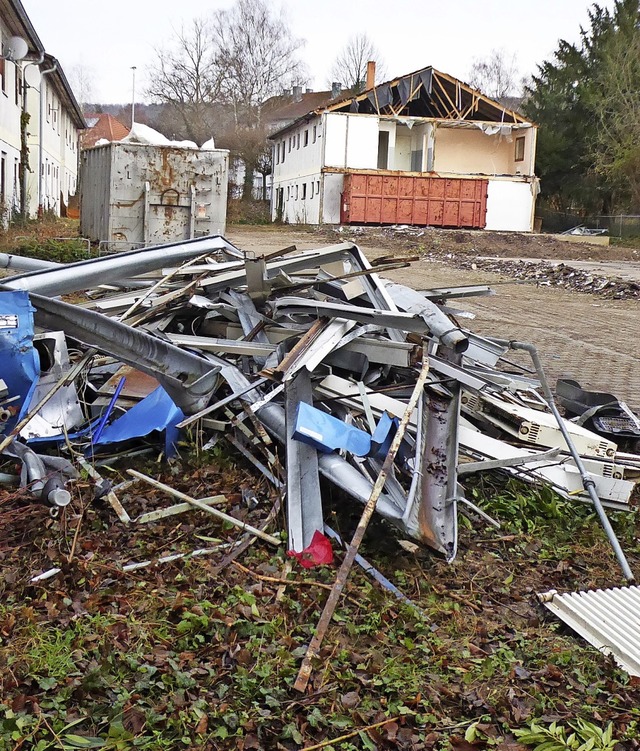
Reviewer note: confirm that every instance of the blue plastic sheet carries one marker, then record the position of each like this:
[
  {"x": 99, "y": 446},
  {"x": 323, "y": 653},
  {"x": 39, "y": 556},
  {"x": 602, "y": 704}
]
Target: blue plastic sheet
[
  {"x": 19, "y": 361},
  {"x": 155, "y": 412},
  {"x": 327, "y": 433},
  {"x": 383, "y": 435}
]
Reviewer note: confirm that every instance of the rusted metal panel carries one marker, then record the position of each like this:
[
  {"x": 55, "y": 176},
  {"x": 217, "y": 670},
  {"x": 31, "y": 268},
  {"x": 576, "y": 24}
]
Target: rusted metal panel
[{"x": 413, "y": 199}]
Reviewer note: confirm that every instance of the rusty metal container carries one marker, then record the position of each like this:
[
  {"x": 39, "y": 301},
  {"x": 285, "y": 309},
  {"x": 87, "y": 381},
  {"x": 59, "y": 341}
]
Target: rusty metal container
[
  {"x": 369, "y": 198},
  {"x": 137, "y": 194}
]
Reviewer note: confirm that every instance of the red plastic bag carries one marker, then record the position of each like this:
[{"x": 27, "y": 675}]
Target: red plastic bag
[{"x": 318, "y": 553}]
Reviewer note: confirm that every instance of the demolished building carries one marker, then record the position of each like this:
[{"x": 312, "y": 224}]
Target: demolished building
[{"x": 421, "y": 149}]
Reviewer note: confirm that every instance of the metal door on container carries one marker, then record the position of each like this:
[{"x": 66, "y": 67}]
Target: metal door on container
[{"x": 169, "y": 220}]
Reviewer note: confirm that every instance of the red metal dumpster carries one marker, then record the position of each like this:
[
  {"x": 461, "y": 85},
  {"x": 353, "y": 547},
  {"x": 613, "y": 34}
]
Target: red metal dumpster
[{"x": 404, "y": 199}]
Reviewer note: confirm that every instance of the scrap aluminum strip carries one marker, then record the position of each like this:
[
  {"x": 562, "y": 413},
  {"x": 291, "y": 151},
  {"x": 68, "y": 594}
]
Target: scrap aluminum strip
[
  {"x": 609, "y": 619},
  {"x": 74, "y": 277}
]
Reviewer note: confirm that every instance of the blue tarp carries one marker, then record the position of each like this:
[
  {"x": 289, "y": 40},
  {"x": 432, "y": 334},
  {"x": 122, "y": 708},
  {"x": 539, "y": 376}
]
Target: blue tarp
[
  {"x": 19, "y": 361},
  {"x": 155, "y": 412},
  {"x": 326, "y": 433}
]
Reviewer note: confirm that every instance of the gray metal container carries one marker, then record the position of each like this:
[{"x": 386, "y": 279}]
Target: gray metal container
[{"x": 136, "y": 194}]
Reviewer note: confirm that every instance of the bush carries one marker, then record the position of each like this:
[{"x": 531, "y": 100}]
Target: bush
[
  {"x": 61, "y": 250},
  {"x": 242, "y": 211}
]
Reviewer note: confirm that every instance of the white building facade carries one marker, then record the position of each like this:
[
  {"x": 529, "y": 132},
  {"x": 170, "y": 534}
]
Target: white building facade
[
  {"x": 40, "y": 123},
  {"x": 389, "y": 156}
]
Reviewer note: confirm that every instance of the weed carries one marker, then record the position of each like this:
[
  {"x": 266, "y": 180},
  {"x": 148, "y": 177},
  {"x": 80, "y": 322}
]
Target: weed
[{"x": 580, "y": 736}]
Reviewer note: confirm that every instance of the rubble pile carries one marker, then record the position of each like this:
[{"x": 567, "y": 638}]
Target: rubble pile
[
  {"x": 309, "y": 364},
  {"x": 557, "y": 275},
  {"x": 313, "y": 367},
  {"x": 474, "y": 253}
]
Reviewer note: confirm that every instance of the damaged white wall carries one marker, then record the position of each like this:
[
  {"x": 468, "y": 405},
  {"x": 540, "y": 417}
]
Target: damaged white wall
[{"x": 306, "y": 190}]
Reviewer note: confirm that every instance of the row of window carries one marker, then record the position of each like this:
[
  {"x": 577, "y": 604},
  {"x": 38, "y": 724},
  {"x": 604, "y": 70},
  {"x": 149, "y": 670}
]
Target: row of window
[
  {"x": 296, "y": 192},
  {"x": 294, "y": 142}
]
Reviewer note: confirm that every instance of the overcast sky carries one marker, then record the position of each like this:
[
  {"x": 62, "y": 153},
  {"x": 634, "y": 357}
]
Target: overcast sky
[{"x": 108, "y": 38}]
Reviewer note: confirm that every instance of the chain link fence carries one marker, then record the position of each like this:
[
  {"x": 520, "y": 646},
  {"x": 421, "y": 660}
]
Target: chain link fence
[{"x": 617, "y": 225}]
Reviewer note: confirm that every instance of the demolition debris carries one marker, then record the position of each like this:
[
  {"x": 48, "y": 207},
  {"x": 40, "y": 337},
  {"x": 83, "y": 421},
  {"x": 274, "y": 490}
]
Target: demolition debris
[{"x": 314, "y": 368}]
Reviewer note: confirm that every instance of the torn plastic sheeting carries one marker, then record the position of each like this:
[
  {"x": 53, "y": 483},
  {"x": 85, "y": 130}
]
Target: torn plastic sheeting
[
  {"x": 326, "y": 433},
  {"x": 20, "y": 360},
  {"x": 318, "y": 553},
  {"x": 155, "y": 412}
]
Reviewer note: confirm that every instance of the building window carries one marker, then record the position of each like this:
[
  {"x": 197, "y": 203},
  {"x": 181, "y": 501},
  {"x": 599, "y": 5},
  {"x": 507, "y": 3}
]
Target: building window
[
  {"x": 3, "y": 179},
  {"x": 519, "y": 157},
  {"x": 315, "y": 133},
  {"x": 289, "y": 149},
  {"x": 383, "y": 149},
  {"x": 306, "y": 138},
  {"x": 18, "y": 87},
  {"x": 304, "y": 191},
  {"x": 298, "y": 141},
  {"x": 318, "y": 187},
  {"x": 288, "y": 192},
  {"x": 312, "y": 186},
  {"x": 3, "y": 76},
  {"x": 296, "y": 192}
]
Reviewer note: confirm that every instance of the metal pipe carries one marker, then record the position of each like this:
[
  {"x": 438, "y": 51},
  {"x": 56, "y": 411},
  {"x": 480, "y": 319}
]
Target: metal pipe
[
  {"x": 24, "y": 167},
  {"x": 73, "y": 277},
  {"x": 587, "y": 481},
  {"x": 11, "y": 261},
  {"x": 188, "y": 379}
]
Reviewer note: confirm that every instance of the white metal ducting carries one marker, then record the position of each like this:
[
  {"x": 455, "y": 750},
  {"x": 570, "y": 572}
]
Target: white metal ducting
[{"x": 609, "y": 619}]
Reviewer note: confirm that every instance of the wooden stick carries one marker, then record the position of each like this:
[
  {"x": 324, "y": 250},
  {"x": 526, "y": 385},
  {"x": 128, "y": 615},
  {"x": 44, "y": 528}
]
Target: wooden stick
[
  {"x": 332, "y": 601},
  {"x": 331, "y": 742},
  {"x": 111, "y": 497},
  {"x": 203, "y": 507},
  {"x": 136, "y": 304}
]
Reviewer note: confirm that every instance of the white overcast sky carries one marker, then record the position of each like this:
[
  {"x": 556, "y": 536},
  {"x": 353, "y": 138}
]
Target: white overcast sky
[{"x": 108, "y": 38}]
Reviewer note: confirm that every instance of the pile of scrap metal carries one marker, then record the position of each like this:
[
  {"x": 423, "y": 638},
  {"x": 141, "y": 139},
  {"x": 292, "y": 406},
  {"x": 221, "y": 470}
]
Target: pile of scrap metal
[{"x": 311, "y": 350}]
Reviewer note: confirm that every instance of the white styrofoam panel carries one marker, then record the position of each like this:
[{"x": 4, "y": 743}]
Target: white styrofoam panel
[
  {"x": 509, "y": 206},
  {"x": 335, "y": 139},
  {"x": 332, "y": 185}
]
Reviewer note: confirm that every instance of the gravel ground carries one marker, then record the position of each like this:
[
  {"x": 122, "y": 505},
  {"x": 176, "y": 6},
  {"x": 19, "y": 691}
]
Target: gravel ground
[{"x": 585, "y": 335}]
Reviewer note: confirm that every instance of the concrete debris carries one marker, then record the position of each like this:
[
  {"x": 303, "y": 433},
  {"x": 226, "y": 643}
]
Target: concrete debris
[
  {"x": 304, "y": 362},
  {"x": 545, "y": 273}
]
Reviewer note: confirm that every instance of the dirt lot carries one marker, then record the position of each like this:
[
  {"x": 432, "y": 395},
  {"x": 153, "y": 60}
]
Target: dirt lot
[{"x": 585, "y": 336}]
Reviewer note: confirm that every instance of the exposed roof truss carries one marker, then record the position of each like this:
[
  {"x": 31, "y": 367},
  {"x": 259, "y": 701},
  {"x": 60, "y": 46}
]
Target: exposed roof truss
[{"x": 427, "y": 93}]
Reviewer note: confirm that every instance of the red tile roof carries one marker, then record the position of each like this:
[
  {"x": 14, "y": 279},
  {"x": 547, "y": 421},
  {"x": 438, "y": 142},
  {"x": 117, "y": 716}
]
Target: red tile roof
[
  {"x": 287, "y": 109},
  {"x": 102, "y": 126}
]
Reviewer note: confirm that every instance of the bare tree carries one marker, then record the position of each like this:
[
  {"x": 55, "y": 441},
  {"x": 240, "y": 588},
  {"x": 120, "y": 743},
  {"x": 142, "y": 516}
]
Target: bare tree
[
  {"x": 258, "y": 54},
  {"x": 188, "y": 78},
  {"x": 82, "y": 80},
  {"x": 496, "y": 75},
  {"x": 350, "y": 66},
  {"x": 218, "y": 72}
]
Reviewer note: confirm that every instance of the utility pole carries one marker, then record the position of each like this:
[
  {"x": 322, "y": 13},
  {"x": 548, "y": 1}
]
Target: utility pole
[{"x": 133, "y": 96}]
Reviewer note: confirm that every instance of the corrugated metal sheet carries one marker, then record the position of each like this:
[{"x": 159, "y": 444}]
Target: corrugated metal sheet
[
  {"x": 607, "y": 618},
  {"x": 410, "y": 199}
]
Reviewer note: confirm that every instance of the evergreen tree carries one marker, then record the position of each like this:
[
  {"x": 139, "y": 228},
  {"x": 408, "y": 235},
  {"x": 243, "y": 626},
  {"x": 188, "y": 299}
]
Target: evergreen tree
[{"x": 587, "y": 103}]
